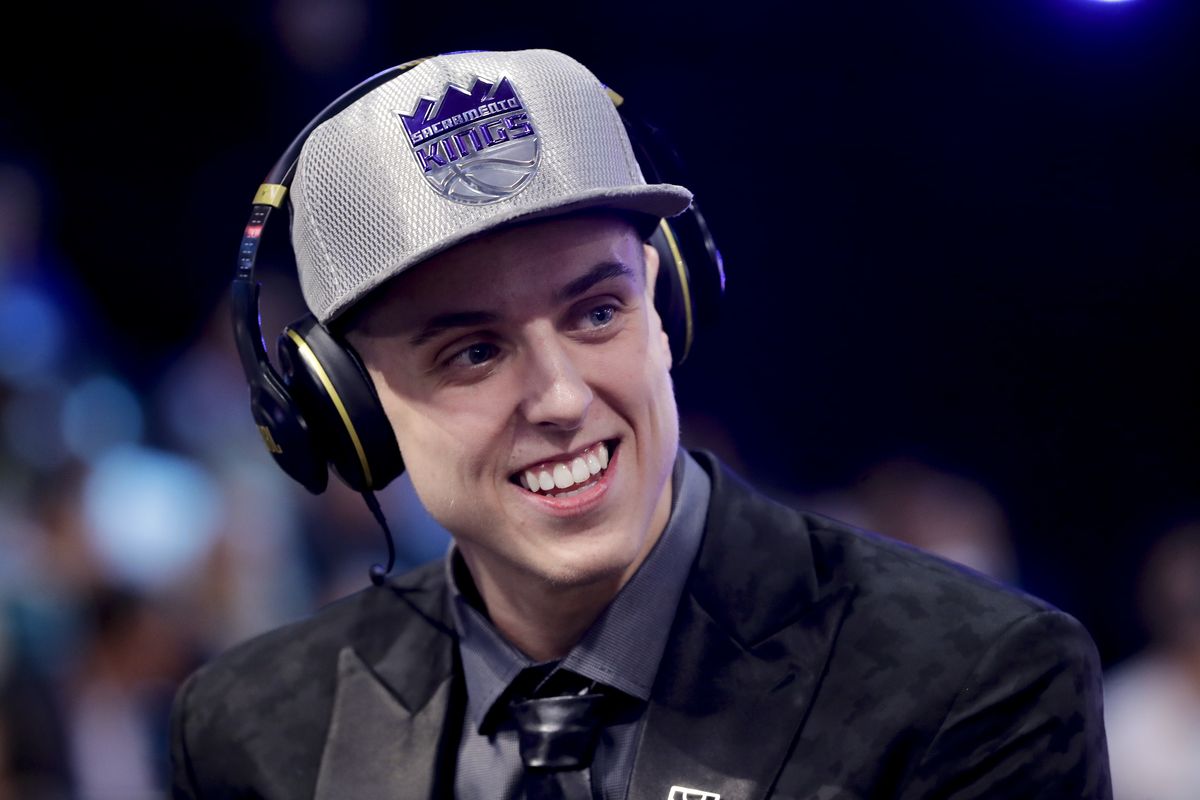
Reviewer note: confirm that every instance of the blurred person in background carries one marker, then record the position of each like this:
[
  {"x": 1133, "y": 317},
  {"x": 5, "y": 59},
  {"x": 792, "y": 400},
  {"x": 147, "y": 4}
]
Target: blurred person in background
[
  {"x": 1152, "y": 701},
  {"x": 87, "y": 666},
  {"x": 44, "y": 577},
  {"x": 34, "y": 754},
  {"x": 945, "y": 514},
  {"x": 116, "y": 697}
]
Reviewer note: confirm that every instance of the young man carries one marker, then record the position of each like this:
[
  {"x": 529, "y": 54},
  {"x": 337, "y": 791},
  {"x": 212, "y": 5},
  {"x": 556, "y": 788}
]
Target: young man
[{"x": 618, "y": 617}]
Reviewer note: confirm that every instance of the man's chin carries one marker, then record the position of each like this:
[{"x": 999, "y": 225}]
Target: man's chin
[{"x": 583, "y": 570}]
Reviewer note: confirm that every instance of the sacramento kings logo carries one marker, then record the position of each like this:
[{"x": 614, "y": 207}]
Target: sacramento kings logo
[{"x": 474, "y": 146}]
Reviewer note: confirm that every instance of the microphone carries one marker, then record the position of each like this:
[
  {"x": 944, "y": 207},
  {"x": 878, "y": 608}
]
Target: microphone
[{"x": 377, "y": 572}]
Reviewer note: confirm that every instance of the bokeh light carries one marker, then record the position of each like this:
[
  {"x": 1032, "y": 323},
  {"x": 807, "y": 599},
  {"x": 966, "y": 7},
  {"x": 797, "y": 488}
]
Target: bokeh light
[
  {"x": 32, "y": 425},
  {"x": 150, "y": 514},
  {"x": 31, "y": 334},
  {"x": 98, "y": 414}
]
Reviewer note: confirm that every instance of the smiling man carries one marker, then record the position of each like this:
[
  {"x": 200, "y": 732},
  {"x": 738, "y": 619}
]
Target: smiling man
[
  {"x": 618, "y": 617},
  {"x": 528, "y": 371}
]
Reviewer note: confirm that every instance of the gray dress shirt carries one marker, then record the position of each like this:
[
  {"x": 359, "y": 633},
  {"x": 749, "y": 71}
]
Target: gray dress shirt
[{"x": 621, "y": 650}]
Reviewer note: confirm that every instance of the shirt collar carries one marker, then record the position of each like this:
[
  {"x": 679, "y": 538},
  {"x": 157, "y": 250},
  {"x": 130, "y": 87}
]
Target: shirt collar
[{"x": 624, "y": 646}]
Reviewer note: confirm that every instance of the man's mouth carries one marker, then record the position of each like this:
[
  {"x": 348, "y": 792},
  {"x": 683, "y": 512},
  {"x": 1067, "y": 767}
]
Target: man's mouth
[{"x": 564, "y": 478}]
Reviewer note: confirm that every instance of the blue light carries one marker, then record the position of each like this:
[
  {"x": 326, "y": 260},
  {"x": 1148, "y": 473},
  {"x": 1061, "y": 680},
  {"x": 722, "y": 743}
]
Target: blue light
[
  {"x": 31, "y": 425},
  {"x": 98, "y": 414},
  {"x": 151, "y": 516},
  {"x": 32, "y": 334}
]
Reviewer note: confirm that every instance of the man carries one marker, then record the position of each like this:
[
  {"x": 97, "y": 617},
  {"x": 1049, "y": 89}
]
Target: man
[{"x": 709, "y": 643}]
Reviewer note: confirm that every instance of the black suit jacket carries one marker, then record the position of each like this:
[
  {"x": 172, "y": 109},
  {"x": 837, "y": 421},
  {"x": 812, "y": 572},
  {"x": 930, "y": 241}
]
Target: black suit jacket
[{"x": 806, "y": 660}]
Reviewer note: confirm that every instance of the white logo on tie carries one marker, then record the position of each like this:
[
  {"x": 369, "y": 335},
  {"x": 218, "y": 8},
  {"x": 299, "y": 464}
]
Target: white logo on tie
[{"x": 684, "y": 793}]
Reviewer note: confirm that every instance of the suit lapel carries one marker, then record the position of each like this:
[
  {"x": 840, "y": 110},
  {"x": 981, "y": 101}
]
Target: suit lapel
[
  {"x": 746, "y": 653},
  {"x": 372, "y": 734},
  {"x": 397, "y": 702}
]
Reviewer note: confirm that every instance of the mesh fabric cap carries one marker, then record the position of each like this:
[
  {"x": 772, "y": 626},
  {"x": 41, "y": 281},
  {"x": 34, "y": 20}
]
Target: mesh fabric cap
[{"x": 363, "y": 210}]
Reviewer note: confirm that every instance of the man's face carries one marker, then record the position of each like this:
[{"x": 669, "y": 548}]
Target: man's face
[{"x": 515, "y": 354}]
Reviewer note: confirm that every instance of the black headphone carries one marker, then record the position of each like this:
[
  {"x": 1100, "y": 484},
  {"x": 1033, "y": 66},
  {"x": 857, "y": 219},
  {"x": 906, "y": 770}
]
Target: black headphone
[{"x": 323, "y": 412}]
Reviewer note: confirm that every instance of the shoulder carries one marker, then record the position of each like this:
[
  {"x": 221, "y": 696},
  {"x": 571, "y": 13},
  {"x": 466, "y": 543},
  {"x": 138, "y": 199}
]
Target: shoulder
[
  {"x": 941, "y": 622},
  {"x": 276, "y": 689},
  {"x": 905, "y": 614},
  {"x": 913, "y": 584},
  {"x": 273, "y": 663},
  {"x": 924, "y": 662},
  {"x": 797, "y": 555}
]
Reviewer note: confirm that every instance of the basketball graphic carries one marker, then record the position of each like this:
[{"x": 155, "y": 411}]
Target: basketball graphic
[{"x": 493, "y": 174}]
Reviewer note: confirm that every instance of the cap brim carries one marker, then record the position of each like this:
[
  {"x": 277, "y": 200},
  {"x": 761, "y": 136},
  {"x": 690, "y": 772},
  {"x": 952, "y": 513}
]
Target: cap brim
[{"x": 651, "y": 202}]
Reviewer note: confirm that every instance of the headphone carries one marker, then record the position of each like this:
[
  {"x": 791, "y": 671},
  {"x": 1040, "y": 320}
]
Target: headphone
[{"x": 321, "y": 410}]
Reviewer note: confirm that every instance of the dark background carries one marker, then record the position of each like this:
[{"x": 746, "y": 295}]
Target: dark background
[{"x": 965, "y": 232}]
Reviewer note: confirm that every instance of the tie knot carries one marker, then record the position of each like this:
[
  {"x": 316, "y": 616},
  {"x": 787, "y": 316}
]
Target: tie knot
[
  {"x": 559, "y": 716},
  {"x": 558, "y": 732}
]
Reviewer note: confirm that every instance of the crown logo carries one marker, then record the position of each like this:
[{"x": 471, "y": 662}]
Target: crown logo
[{"x": 457, "y": 101}]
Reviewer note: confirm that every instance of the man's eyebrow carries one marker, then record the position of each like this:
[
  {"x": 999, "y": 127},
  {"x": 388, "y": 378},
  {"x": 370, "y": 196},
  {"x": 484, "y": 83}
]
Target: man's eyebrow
[
  {"x": 451, "y": 319},
  {"x": 463, "y": 319},
  {"x": 598, "y": 273}
]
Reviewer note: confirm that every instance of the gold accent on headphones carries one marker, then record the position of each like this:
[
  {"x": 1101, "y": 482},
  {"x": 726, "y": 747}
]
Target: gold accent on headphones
[
  {"x": 407, "y": 65},
  {"x": 310, "y": 358},
  {"x": 270, "y": 194},
  {"x": 683, "y": 282},
  {"x": 269, "y": 440},
  {"x": 616, "y": 98}
]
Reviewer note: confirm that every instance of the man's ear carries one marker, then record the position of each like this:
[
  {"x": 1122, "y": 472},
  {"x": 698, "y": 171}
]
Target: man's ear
[
  {"x": 651, "y": 279},
  {"x": 651, "y": 267}
]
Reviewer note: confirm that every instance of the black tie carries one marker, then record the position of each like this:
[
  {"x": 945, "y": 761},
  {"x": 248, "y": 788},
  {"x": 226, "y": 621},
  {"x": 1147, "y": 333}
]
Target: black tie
[{"x": 559, "y": 724}]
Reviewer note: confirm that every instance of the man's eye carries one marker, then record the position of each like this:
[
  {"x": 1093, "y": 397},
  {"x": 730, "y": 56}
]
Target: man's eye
[
  {"x": 601, "y": 315},
  {"x": 473, "y": 356}
]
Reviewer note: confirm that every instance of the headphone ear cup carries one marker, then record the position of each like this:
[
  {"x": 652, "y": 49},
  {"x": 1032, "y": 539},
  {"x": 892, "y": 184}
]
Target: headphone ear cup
[
  {"x": 691, "y": 273},
  {"x": 671, "y": 296},
  {"x": 705, "y": 267},
  {"x": 335, "y": 394},
  {"x": 286, "y": 433},
  {"x": 283, "y": 427}
]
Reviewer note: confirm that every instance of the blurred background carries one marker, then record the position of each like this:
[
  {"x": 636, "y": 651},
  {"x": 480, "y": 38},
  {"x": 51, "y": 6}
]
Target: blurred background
[{"x": 961, "y": 241}]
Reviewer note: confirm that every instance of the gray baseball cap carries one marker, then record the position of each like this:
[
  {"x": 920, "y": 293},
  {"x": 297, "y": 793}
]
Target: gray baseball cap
[{"x": 454, "y": 147}]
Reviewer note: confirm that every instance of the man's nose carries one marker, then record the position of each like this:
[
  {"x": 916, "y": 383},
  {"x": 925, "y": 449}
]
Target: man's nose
[{"x": 556, "y": 393}]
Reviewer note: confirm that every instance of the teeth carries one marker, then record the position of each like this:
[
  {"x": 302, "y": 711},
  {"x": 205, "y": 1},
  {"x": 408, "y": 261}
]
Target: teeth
[
  {"x": 579, "y": 471},
  {"x": 563, "y": 475}
]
